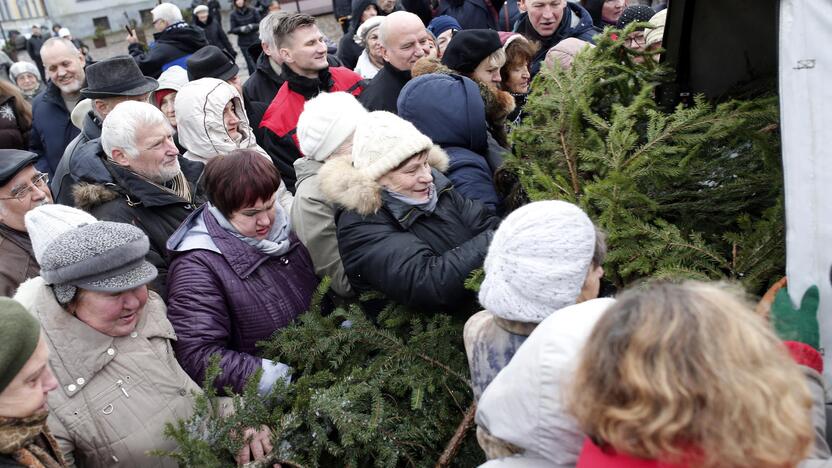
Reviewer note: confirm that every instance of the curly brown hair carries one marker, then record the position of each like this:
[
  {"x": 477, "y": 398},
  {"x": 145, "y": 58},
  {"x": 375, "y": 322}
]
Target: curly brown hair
[{"x": 518, "y": 52}]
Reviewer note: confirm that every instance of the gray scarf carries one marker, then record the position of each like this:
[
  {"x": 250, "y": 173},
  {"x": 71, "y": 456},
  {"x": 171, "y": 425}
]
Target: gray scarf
[
  {"x": 275, "y": 244},
  {"x": 423, "y": 206}
]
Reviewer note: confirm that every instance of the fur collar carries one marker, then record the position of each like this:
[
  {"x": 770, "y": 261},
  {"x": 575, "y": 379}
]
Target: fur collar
[{"x": 349, "y": 187}]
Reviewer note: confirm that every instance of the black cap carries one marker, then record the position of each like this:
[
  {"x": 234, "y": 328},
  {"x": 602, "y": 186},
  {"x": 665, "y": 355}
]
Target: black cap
[
  {"x": 211, "y": 62},
  {"x": 12, "y": 161},
  {"x": 116, "y": 76},
  {"x": 469, "y": 47}
]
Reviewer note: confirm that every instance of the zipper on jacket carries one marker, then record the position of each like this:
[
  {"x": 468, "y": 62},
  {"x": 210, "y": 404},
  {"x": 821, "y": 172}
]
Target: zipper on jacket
[{"x": 120, "y": 385}]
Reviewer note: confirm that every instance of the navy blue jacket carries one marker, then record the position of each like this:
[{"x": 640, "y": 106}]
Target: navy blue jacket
[
  {"x": 450, "y": 111},
  {"x": 472, "y": 14},
  {"x": 52, "y": 130},
  {"x": 576, "y": 22}
]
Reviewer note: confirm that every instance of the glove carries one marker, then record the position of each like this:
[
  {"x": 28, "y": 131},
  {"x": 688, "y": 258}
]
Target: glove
[
  {"x": 272, "y": 372},
  {"x": 247, "y": 28},
  {"x": 797, "y": 324}
]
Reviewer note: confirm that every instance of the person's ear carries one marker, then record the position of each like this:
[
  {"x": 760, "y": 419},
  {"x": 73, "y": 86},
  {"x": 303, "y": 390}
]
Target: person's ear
[
  {"x": 384, "y": 53},
  {"x": 285, "y": 55},
  {"x": 100, "y": 106},
  {"x": 522, "y": 6},
  {"x": 120, "y": 157}
]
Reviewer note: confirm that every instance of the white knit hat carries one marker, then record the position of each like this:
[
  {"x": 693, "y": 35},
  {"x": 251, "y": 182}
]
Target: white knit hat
[
  {"x": 326, "y": 122},
  {"x": 537, "y": 261},
  {"x": 384, "y": 140},
  {"x": 364, "y": 30},
  {"x": 47, "y": 222}
]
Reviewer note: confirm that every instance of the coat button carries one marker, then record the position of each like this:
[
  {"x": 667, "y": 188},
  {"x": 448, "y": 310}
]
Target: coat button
[
  {"x": 80, "y": 381},
  {"x": 71, "y": 387},
  {"x": 111, "y": 351},
  {"x": 284, "y": 260},
  {"x": 133, "y": 335},
  {"x": 182, "y": 392}
]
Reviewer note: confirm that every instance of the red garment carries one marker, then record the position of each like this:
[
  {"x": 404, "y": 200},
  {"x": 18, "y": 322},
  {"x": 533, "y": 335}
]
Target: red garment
[
  {"x": 593, "y": 456},
  {"x": 282, "y": 115},
  {"x": 805, "y": 355}
]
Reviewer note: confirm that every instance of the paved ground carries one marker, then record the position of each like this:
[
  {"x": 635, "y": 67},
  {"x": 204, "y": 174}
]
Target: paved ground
[{"x": 117, "y": 44}]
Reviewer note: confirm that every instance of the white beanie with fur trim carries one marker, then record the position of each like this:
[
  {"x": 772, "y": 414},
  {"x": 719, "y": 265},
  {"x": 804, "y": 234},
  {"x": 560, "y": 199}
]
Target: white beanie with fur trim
[
  {"x": 383, "y": 141},
  {"x": 537, "y": 261},
  {"x": 326, "y": 122}
]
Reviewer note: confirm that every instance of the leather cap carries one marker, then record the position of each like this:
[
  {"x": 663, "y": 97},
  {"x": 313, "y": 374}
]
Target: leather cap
[{"x": 12, "y": 161}]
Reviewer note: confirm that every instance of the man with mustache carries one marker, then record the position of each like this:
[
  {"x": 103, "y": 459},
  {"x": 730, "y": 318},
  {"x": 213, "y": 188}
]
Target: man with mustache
[
  {"x": 22, "y": 188},
  {"x": 52, "y": 129}
]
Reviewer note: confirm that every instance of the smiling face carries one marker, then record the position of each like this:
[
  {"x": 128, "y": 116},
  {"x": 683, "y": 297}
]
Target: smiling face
[
  {"x": 27, "y": 82},
  {"x": 64, "y": 66},
  {"x": 113, "y": 314},
  {"x": 411, "y": 179},
  {"x": 255, "y": 221},
  {"x": 518, "y": 78},
  {"x": 26, "y": 393},
  {"x": 305, "y": 51},
  {"x": 407, "y": 41},
  {"x": 544, "y": 15}
]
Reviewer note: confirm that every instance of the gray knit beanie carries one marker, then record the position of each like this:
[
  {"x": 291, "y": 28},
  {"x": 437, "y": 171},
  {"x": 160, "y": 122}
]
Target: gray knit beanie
[
  {"x": 98, "y": 256},
  {"x": 538, "y": 261}
]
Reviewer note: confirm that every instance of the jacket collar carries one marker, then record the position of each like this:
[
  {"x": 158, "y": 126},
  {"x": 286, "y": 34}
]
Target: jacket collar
[
  {"x": 308, "y": 87},
  {"x": 92, "y": 126},
  {"x": 265, "y": 67},
  {"x": 402, "y": 76},
  {"x": 140, "y": 191},
  {"x": 53, "y": 95},
  {"x": 405, "y": 214},
  {"x": 78, "y": 350}
]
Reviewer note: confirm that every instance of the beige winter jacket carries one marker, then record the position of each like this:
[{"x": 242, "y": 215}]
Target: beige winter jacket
[{"x": 115, "y": 394}]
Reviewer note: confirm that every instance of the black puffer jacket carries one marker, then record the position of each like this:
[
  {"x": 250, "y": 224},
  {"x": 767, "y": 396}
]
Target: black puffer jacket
[
  {"x": 214, "y": 34},
  {"x": 245, "y": 23},
  {"x": 134, "y": 200},
  {"x": 420, "y": 260},
  {"x": 177, "y": 41}
]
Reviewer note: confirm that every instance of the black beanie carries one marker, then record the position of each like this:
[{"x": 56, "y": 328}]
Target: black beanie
[
  {"x": 635, "y": 14},
  {"x": 469, "y": 47}
]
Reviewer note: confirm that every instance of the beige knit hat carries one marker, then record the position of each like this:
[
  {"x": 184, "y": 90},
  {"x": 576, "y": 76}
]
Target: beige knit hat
[{"x": 383, "y": 141}]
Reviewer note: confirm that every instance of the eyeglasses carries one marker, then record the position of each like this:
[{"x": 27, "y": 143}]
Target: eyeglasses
[{"x": 21, "y": 191}]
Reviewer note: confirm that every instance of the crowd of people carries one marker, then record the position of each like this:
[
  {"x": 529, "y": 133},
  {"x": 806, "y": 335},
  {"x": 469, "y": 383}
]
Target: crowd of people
[{"x": 156, "y": 210}]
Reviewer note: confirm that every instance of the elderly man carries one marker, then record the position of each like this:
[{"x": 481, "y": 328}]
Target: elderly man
[
  {"x": 152, "y": 187},
  {"x": 52, "y": 129},
  {"x": 404, "y": 40},
  {"x": 22, "y": 188},
  {"x": 548, "y": 22},
  {"x": 109, "y": 82},
  {"x": 175, "y": 41},
  {"x": 300, "y": 46}
]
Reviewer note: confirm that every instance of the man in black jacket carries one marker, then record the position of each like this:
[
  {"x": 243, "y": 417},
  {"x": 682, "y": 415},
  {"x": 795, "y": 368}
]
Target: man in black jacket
[
  {"x": 152, "y": 188},
  {"x": 212, "y": 28},
  {"x": 33, "y": 45},
  {"x": 404, "y": 40},
  {"x": 175, "y": 41}
]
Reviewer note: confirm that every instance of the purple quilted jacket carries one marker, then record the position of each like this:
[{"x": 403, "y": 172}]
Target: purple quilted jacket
[{"x": 226, "y": 302}]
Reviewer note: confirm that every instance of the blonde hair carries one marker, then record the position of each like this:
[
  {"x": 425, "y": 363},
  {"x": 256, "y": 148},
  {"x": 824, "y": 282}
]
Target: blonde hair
[
  {"x": 674, "y": 371},
  {"x": 497, "y": 58}
]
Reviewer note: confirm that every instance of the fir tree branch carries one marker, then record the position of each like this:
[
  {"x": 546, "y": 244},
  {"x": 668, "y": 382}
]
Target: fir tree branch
[{"x": 456, "y": 441}]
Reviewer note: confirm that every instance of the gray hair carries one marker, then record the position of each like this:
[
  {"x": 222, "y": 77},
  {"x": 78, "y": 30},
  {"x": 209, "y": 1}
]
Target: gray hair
[
  {"x": 119, "y": 128},
  {"x": 52, "y": 41},
  {"x": 269, "y": 24},
  {"x": 168, "y": 12}
]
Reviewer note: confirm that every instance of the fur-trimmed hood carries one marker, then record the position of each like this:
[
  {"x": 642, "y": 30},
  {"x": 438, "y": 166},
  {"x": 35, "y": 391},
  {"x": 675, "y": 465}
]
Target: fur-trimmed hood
[
  {"x": 351, "y": 188},
  {"x": 498, "y": 103},
  {"x": 90, "y": 196}
]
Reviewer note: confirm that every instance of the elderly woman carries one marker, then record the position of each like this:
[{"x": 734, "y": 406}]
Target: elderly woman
[
  {"x": 349, "y": 49},
  {"x": 164, "y": 97},
  {"x": 402, "y": 228},
  {"x": 27, "y": 77},
  {"x": 25, "y": 381},
  {"x": 515, "y": 73},
  {"x": 238, "y": 273},
  {"x": 212, "y": 121},
  {"x": 367, "y": 36},
  {"x": 109, "y": 340}
]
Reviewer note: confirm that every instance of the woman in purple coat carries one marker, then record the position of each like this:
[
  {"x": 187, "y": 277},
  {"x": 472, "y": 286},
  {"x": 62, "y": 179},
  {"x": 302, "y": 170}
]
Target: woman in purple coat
[{"x": 238, "y": 273}]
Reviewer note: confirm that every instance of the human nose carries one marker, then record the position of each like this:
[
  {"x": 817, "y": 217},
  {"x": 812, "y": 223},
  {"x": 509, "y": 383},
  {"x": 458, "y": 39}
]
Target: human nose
[
  {"x": 263, "y": 219},
  {"x": 426, "y": 176},
  {"x": 131, "y": 302},
  {"x": 49, "y": 381}
]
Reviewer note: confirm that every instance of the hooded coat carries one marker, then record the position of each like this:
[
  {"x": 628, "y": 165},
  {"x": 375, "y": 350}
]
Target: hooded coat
[
  {"x": 472, "y": 14},
  {"x": 416, "y": 259},
  {"x": 448, "y": 109},
  {"x": 348, "y": 50},
  {"x": 115, "y": 394},
  {"x": 576, "y": 22},
  {"x": 52, "y": 129},
  {"x": 214, "y": 33},
  {"x": 224, "y": 296},
  {"x": 170, "y": 47},
  {"x": 199, "y": 116}
]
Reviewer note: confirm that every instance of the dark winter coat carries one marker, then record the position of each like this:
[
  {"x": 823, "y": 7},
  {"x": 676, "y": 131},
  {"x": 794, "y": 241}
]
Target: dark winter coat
[
  {"x": 80, "y": 162},
  {"x": 33, "y": 45},
  {"x": 224, "y": 296},
  {"x": 245, "y": 23},
  {"x": 170, "y": 47},
  {"x": 383, "y": 91},
  {"x": 420, "y": 8},
  {"x": 575, "y": 22},
  {"x": 472, "y": 14},
  {"x": 448, "y": 109},
  {"x": 214, "y": 9},
  {"x": 12, "y": 136},
  {"x": 17, "y": 260},
  {"x": 52, "y": 129},
  {"x": 280, "y": 120},
  {"x": 420, "y": 260},
  {"x": 508, "y": 15},
  {"x": 348, "y": 50},
  {"x": 214, "y": 34},
  {"x": 134, "y": 200}
]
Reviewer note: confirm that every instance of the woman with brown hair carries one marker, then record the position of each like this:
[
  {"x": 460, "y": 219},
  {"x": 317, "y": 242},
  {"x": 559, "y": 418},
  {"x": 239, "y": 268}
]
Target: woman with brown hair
[
  {"x": 687, "y": 375},
  {"x": 516, "y": 72},
  {"x": 15, "y": 118}
]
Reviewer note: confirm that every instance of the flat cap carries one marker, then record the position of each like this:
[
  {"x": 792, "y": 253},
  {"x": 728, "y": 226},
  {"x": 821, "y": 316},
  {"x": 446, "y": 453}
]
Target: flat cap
[{"x": 12, "y": 161}]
